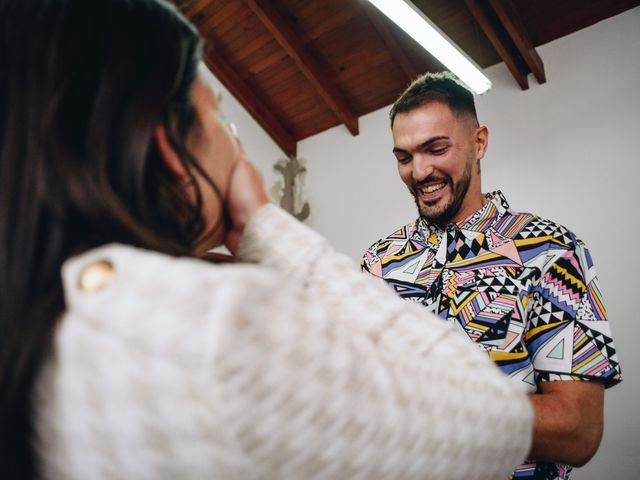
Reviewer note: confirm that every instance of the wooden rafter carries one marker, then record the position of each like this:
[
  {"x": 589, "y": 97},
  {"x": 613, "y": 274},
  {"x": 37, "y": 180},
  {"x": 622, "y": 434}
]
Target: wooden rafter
[
  {"x": 390, "y": 41},
  {"x": 514, "y": 26},
  {"x": 307, "y": 64},
  {"x": 250, "y": 101},
  {"x": 501, "y": 44}
]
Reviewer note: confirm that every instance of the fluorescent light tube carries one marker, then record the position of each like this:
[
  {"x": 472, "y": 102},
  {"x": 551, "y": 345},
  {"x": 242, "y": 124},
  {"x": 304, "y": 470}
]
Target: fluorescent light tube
[{"x": 408, "y": 17}]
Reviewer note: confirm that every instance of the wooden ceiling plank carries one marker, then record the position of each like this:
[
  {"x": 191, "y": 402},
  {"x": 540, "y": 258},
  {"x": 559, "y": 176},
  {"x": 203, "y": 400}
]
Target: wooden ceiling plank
[
  {"x": 292, "y": 110},
  {"x": 307, "y": 102},
  {"x": 311, "y": 114},
  {"x": 291, "y": 88},
  {"x": 380, "y": 61},
  {"x": 397, "y": 53},
  {"x": 237, "y": 31},
  {"x": 308, "y": 65},
  {"x": 194, "y": 7},
  {"x": 249, "y": 100},
  {"x": 356, "y": 37},
  {"x": 213, "y": 21},
  {"x": 498, "y": 43},
  {"x": 513, "y": 24},
  {"x": 247, "y": 47},
  {"x": 272, "y": 77},
  {"x": 337, "y": 20},
  {"x": 264, "y": 58}
]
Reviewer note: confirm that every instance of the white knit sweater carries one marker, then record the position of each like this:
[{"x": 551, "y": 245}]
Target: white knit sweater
[{"x": 292, "y": 365}]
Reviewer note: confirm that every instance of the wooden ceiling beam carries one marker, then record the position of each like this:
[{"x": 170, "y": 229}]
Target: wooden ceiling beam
[
  {"x": 307, "y": 64},
  {"x": 501, "y": 45},
  {"x": 257, "y": 109},
  {"x": 390, "y": 41},
  {"x": 512, "y": 21}
]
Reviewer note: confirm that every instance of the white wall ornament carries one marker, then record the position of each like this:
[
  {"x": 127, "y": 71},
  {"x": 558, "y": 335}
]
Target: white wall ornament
[{"x": 288, "y": 191}]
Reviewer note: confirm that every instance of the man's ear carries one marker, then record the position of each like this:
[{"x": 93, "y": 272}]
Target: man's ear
[
  {"x": 168, "y": 154},
  {"x": 481, "y": 141}
]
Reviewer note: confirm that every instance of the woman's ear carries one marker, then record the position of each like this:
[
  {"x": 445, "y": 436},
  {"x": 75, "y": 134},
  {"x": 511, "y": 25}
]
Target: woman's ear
[{"x": 168, "y": 154}]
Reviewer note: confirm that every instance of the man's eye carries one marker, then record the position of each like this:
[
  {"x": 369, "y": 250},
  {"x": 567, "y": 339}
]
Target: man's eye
[
  {"x": 439, "y": 150},
  {"x": 404, "y": 159}
]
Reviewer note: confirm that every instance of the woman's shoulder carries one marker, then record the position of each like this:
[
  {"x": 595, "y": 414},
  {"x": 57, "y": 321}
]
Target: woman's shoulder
[
  {"x": 134, "y": 362},
  {"x": 155, "y": 302}
]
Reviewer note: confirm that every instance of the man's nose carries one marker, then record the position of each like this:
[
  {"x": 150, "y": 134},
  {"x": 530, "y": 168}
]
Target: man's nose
[{"x": 422, "y": 168}]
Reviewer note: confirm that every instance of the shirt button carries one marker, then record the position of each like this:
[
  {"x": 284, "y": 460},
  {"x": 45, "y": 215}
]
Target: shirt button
[{"x": 97, "y": 276}]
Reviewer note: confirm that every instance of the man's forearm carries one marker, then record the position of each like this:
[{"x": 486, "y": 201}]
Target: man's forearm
[{"x": 568, "y": 422}]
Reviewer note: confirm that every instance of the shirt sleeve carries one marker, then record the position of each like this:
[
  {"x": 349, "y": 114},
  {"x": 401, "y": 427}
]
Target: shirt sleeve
[
  {"x": 569, "y": 336},
  {"x": 325, "y": 373},
  {"x": 370, "y": 262}
]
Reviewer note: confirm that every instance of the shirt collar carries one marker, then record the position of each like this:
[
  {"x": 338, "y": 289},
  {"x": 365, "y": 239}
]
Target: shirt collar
[{"x": 479, "y": 221}]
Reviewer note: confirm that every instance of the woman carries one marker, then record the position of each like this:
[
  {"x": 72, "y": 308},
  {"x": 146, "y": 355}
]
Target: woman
[{"x": 124, "y": 356}]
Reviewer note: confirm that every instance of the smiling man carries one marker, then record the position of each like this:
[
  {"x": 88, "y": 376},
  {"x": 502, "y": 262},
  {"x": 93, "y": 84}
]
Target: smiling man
[{"x": 523, "y": 288}]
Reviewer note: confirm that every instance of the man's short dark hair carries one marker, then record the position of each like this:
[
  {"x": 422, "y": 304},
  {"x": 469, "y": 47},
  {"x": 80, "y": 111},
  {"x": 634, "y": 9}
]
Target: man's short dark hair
[{"x": 435, "y": 87}]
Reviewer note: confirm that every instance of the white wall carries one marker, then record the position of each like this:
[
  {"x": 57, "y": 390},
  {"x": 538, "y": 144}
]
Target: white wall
[
  {"x": 260, "y": 148},
  {"x": 567, "y": 150}
]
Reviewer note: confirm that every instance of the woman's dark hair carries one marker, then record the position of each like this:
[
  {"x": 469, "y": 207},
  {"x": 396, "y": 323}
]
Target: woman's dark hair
[{"x": 83, "y": 85}]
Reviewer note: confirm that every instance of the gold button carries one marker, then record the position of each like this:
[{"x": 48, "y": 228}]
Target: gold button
[{"x": 97, "y": 276}]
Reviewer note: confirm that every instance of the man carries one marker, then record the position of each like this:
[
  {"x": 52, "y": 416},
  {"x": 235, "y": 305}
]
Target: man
[{"x": 522, "y": 287}]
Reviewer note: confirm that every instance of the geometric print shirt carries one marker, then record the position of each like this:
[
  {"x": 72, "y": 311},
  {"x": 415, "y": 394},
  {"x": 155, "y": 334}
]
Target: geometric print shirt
[{"x": 523, "y": 288}]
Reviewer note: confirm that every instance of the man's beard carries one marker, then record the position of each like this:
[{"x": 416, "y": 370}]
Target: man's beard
[{"x": 442, "y": 216}]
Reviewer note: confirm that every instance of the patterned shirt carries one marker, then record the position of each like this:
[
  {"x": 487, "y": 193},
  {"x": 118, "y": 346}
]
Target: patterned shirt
[{"x": 522, "y": 287}]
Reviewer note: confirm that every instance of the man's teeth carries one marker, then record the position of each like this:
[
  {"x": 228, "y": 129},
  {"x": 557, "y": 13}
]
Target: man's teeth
[{"x": 432, "y": 188}]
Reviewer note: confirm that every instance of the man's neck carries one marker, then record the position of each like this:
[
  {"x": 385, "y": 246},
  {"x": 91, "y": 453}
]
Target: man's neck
[{"x": 469, "y": 208}]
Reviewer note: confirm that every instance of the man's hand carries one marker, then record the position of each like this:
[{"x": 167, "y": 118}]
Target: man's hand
[
  {"x": 246, "y": 195},
  {"x": 568, "y": 422}
]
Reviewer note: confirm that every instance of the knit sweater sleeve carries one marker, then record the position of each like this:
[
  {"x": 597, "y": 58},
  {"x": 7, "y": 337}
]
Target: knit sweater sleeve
[{"x": 325, "y": 373}]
